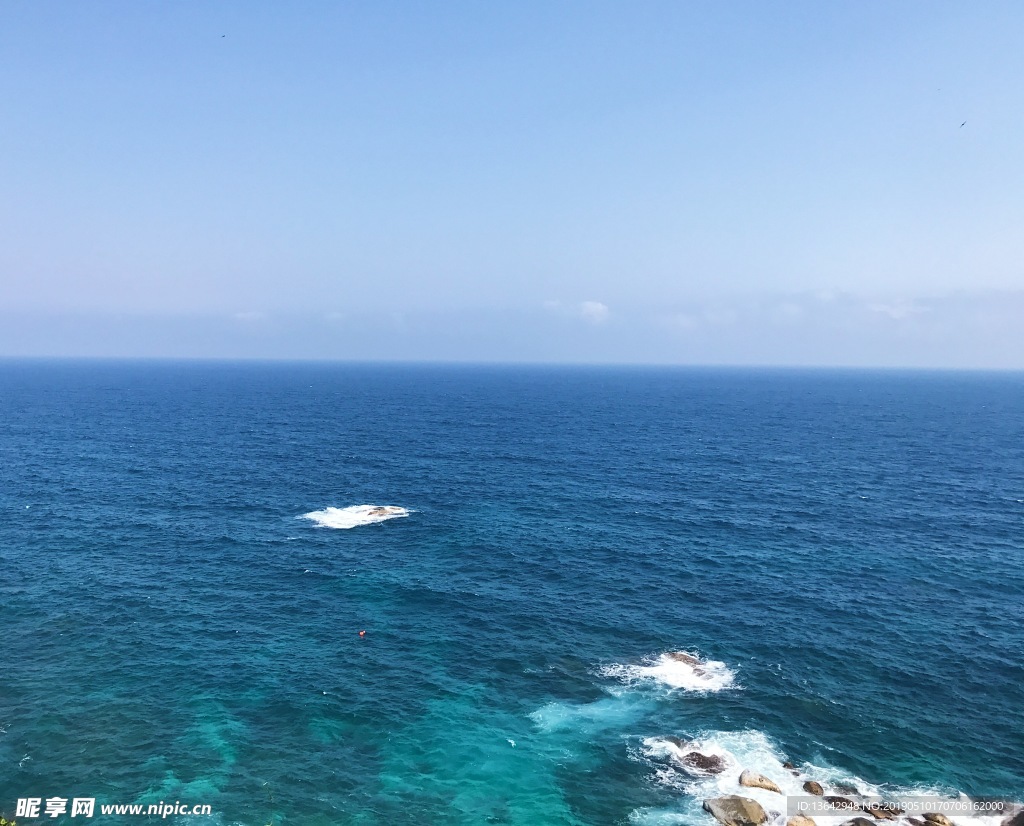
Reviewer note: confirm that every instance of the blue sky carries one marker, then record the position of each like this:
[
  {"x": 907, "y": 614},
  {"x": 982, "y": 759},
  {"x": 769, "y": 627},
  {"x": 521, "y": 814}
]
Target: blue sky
[{"x": 657, "y": 182}]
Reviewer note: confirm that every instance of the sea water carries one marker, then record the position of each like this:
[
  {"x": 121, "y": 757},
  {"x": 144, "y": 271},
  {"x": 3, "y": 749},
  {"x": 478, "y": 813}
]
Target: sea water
[{"x": 190, "y": 551}]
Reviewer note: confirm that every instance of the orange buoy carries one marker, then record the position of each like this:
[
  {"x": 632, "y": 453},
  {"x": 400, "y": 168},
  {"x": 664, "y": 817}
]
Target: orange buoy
[{"x": 362, "y": 633}]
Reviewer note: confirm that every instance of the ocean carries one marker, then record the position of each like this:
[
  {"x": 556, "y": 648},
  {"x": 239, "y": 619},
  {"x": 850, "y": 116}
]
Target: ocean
[{"x": 190, "y": 551}]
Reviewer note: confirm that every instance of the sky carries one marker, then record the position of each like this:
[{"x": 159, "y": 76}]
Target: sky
[{"x": 797, "y": 183}]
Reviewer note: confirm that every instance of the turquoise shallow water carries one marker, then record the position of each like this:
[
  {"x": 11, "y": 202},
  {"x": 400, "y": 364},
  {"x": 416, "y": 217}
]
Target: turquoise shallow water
[{"x": 848, "y": 545}]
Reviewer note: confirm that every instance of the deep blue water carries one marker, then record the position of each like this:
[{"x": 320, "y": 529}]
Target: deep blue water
[{"x": 849, "y": 544}]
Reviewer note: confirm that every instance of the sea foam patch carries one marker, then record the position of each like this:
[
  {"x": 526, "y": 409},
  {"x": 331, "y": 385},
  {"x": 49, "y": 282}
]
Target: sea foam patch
[
  {"x": 354, "y": 515},
  {"x": 676, "y": 669}
]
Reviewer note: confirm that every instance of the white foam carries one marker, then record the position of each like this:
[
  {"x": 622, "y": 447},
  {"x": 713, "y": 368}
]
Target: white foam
[
  {"x": 755, "y": 751},
  {"x": 589, "y": 718},
  {"x": 354, "y": 516},
  {"x": 676, "y": 669}
]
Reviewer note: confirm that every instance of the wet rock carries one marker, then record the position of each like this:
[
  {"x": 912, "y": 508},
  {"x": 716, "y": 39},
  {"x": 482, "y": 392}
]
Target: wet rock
[
  {"x": 916, "y": 821},
  {"x": 683, "y": 657},
  {"x": 937, "y": 819},
  {"x": 814, "y": 787},
  {"x": 801, "y": 820},
  {"x": 880, "y": 812},
  {"x": 1016, "y": 818},
  {"x": 678, "y": 742},
  {"x": 843, "y": 803},
  {"x": 690, "y": 660},
  {"x": 754, "y": 780},
  {"x": 845, "y": 788},
  {"x": 733, "y": 810},
  {"x": 788, "y": 765},
  {"x": 859, "y": 821},
  {"x": 707, "y": 763}
]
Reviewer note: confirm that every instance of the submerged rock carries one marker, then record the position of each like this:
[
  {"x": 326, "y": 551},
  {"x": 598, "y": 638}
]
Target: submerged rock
[
  {"x": 708, "y": 763},
  {"x": 814, "y": 787},
  {"x": 733, "y": 810},
  {"x": 754, "y": 780},
  {"x": 678, "y": 742},
  {"x": 845, "y": 788}
]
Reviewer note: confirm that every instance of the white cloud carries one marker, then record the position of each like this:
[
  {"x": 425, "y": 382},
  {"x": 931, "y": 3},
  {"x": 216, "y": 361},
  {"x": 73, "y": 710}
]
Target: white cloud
[
  {"x": 898, "y": 310},
  {"x": 594, "y": 311}
]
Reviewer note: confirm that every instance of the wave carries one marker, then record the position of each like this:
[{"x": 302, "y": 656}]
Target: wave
[
  {"x": 354, "y": 515},
  {"x": 667, "y": 757},
  {"x": 675, "y": 669}
]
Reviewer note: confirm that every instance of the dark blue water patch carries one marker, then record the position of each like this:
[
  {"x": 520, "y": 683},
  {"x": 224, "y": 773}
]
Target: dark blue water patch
[{"x": 848, "y": 543}]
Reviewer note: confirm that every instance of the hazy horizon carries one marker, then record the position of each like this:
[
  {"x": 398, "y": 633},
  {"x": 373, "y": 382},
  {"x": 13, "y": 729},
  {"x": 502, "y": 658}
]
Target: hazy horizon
[{"x": 803, "y": 185}]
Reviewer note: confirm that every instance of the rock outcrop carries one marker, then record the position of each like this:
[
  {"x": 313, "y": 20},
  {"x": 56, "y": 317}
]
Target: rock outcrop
[
  {"x": 859, "y": 821},
  {"x": 753, "y": 780},
  {"x": 733, "y": 810},
  {"x": 707, "y": 763},
  {"x": 842, "y": 803},
  {"x": 1016, "y": 818}
]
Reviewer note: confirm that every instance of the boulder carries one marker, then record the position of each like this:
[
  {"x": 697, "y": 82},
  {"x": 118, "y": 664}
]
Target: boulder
[
  {"x": 754, "y": 780},
  {"x": 733, "y": 810},
  {"x": 683, "y": 657},
  {"x": 801, "y": 820},
  {"x": 814, "y": 787},
  {"x": 843, "y": 803},
  {"x": 788, "y": 765},
  {"x": 880, "y": 812},
  {"x": 690, "y": 660},
  {"x": 707, "y": 763},
  {"x": 937, "y": 819},
  {"x": 859, "y": 821},
  {"x": 845, "y": 788},
  {"x": 1015, "y": 818}
]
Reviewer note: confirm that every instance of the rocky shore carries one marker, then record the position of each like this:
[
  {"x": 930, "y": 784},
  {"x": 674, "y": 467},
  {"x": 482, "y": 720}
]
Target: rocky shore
[{"x": 842, "y": 800}]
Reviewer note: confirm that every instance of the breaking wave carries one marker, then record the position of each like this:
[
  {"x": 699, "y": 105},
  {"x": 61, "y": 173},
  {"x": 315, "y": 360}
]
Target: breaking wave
[{"x": 354, "y": 516}]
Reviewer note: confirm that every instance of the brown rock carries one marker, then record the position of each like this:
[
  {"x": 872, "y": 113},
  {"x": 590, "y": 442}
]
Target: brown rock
[
  {"x": 733, "y": 810},
  {"x": 754, "y": 780},
  {"x": 879, "y": 812},
  {"x": 843, "y": 803},
  {"x": 1015, "y": 818},
  {"x": 788, "y": 765},
  {"x": 813, "y": 787},
  {"x": 683, "y": 657},
  {"x": 801, "y": 820},
  {"x": 937, "y": 819},
  {"x": 859, "y": 821},
  {"x": 845, "y": 788},
  {"x": 707, "y": 763}
]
